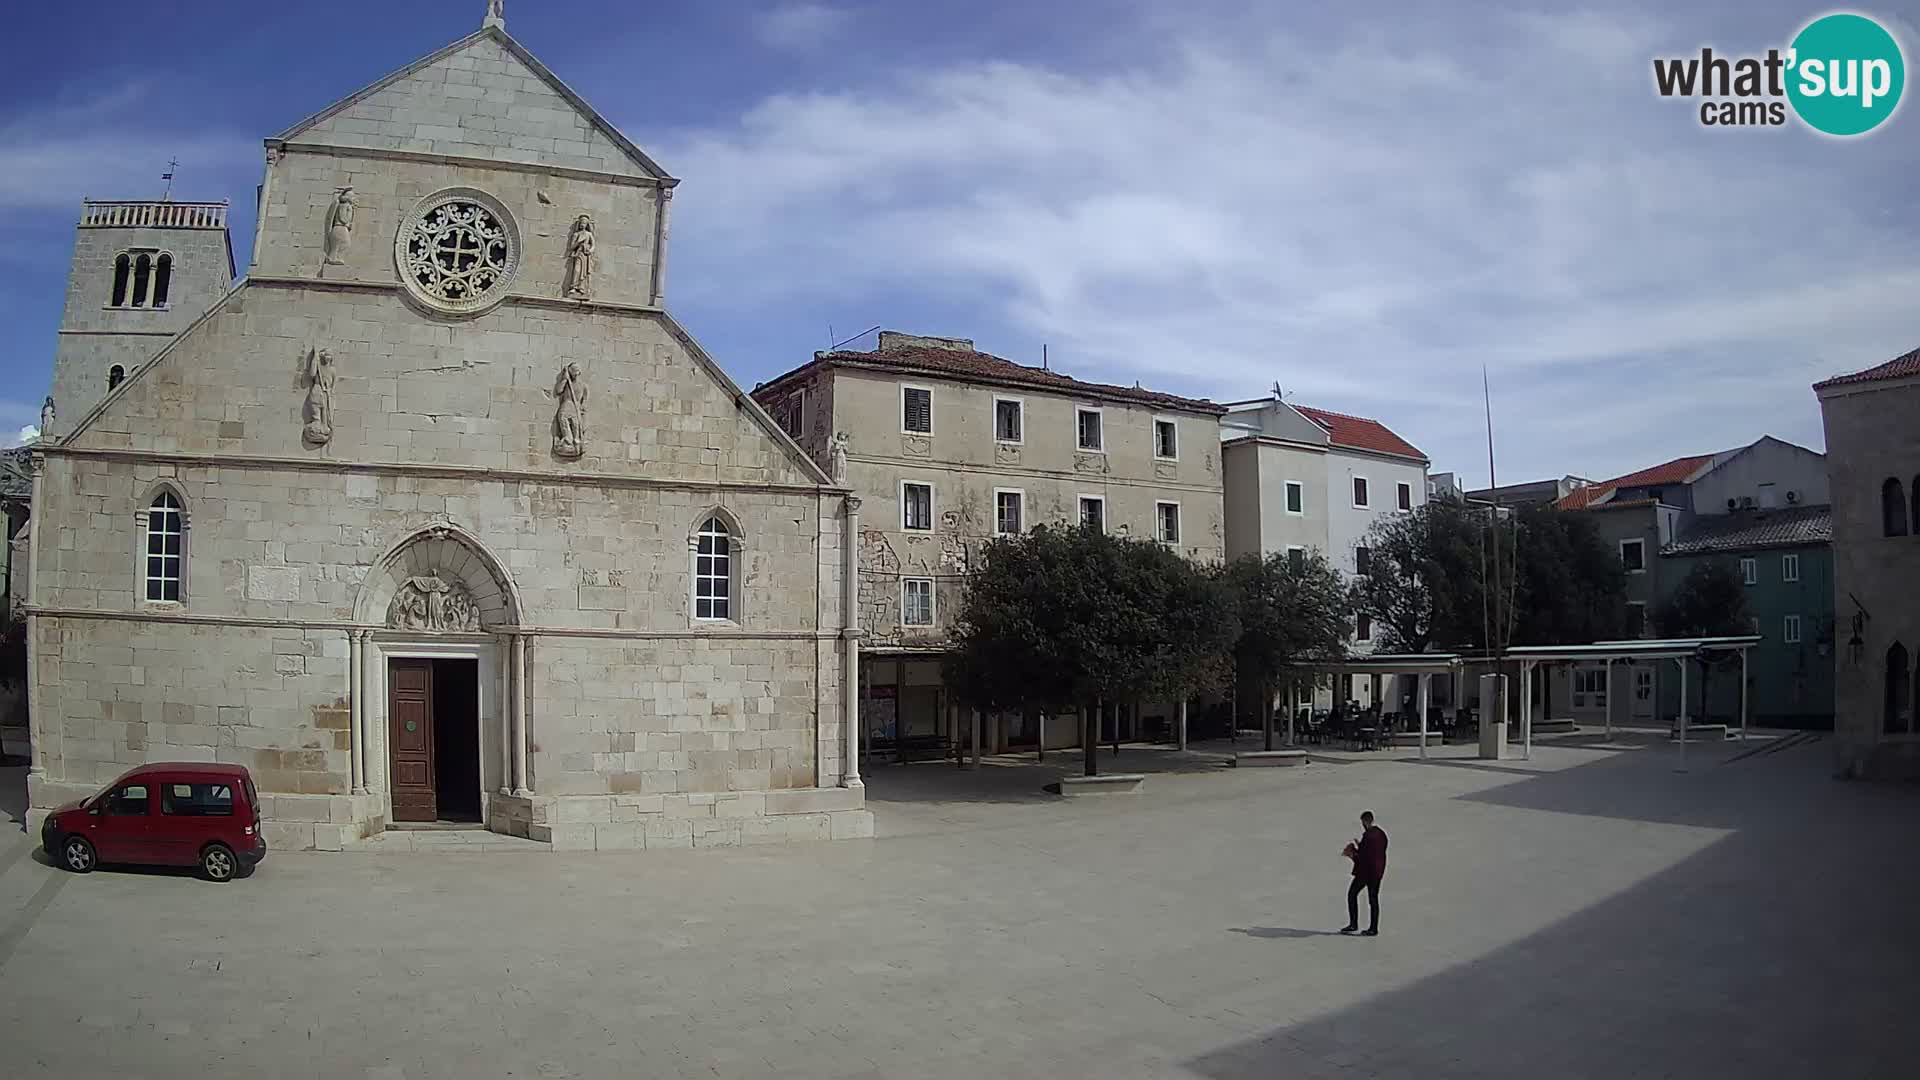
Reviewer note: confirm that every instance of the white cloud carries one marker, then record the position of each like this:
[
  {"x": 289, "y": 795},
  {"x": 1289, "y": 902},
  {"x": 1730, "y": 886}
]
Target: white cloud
[
  {"x": 1365, "y": 218},
  {"x": 27, "y": 434},
  {"x": 799, "y": 27},
  {"x": 105, "y": 147}
]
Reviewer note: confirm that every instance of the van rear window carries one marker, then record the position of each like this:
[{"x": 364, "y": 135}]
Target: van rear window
[{"x": 196, "y": 800}]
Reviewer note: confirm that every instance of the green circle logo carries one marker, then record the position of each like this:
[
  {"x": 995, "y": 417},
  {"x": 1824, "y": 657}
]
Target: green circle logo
[{"x": 1846, "y": 74}]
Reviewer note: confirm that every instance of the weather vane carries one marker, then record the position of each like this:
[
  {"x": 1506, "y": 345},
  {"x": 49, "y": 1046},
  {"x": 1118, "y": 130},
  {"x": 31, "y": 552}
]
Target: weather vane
[{"x": 172, "y": 166}]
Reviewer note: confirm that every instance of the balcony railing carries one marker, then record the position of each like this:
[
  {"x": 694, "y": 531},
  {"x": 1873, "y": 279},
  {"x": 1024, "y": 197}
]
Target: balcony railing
[{"x": 153, "y": 215}]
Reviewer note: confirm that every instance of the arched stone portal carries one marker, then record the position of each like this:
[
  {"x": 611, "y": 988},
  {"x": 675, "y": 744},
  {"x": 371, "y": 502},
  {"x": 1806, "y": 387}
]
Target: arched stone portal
[{"x": 439, "y": 717}]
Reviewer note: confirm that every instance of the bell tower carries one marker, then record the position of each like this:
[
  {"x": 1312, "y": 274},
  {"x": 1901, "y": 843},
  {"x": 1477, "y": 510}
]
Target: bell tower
[{"x": 142, "y": 271}]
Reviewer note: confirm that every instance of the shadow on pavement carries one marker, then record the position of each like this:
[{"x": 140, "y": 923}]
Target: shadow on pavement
[
  {"x": 1783, "y": 949},
  {"x": 1282, "y": 932},
  {"x": 13, "y": 794},
  {"x": 1019, "y": 777}
]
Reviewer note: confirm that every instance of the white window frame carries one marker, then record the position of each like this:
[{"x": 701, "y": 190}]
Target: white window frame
[
  {"x": 933, "y": 602},
  {"x": 1157, "y": 455},
  {"x": 1292, "y": 486},
  {"x": 1079, "y": 511},
  {"x": 933, "y": 499},
  {"x": 1353, "y": 489},
  {"x": 1638, "y": 542},
  {"x": 736, "y": 550},
  {"x": 1790, "y": 567},
  {"x": 1362, "y": 622},
  {"x": 1291, "y": 548},
  {"x": 1179, "y": 525},
  {"x": 1357, "y": 549},
  {"x": 1790, "y": 629},
  {"x": 1637, "y": 618},
  {"x": 1750, "y": 571},
  {"x": 1021, "y": 404},
  {"x": 1399, "y": 487},
  {"x": 143, "y": 538},
  {"x": 1588, "y": 698},
  {"x": 1082, "y": 410},
  {"x": 1021, "y": 495},
  {"x": 904, "y": 429}
]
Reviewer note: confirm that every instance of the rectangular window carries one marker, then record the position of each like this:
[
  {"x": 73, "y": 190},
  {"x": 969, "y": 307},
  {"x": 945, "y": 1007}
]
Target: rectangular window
[
  {"x": 1753, "y": 624},
  {"x": 916, "y": 601},
  {"x": 916, "y": 410},
  {"x": 1362, "y": 561},
  {"x": 1168, "y": 515},
  {"x": 197, "y": 800},
  {"x": 916, "y": 507},
  {"x": 1750, "y": 571},
  {"x": 713, "y": 571},
  {"x": 1296, "y": 497},
  {"x": 1790, "y": 630},
  {"x": 129, "y": 801},
  {"x": 1363, "y": 627},
  {"x": 1092, "y": 435},
  {"x": 1296, "y": 560},
  {"x": 1769, "y": 496},
  {"x": 792, "y": 414},
  {"x": 1405, "y": 496},
  {"x": 1093, "y": 512},
  {"x": 166, "y": 533},
  {"x": 1633, "y": 556},
  {"x": 1590, "y": 688},
  {"x": 1360, "y": 492},
  {"x": 1166, "y": 440},
  {"x": 1009, "y": 420},
  {"x": 1789, "y": 568},
  {"x": 1636, "y": 619},
  {"x": 1009, "y": 512}
]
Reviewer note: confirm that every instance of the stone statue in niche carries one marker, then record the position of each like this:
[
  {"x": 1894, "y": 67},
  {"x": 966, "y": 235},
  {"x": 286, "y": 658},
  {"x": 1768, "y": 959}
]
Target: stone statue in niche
[
  {"x": 580, "y": 259},
  {"x": 431, "y": 604},
  {"x": 837, "y": 457},
  {"x": 318, "y": 412},
  {"x": 340, "y": 227},
  {"x": 570, "y": 418}
]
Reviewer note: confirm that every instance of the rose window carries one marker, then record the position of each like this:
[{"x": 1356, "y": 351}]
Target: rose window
[{"x": 458, "y": 251}]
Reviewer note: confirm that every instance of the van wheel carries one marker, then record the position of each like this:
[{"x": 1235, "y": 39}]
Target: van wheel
[
  {"x": 217, "y": 863},
  {"x": 77, "y": 855}
]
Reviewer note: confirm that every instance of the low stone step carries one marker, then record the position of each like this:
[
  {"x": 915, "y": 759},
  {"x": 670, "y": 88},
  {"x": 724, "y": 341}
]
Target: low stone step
[
  {"x": 1702, "y": 733},
  {"x": 1104, "y": 784},
  {"x": 1269, "y": 759}
]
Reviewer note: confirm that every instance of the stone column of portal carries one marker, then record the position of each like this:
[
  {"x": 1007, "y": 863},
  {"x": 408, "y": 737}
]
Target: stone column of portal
[
  {"x": 850, "y": 645},
  {"x": 518, "y": 712},
  {"x": 357, "y": 698}
]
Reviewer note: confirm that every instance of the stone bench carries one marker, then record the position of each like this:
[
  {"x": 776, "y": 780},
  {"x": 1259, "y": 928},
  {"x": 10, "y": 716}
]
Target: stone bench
[
  {"x": 1555, "y": 727},
  {"x": 1104, "y": 784},
  {"x": 1702, "y": 733},
  {"x": 1269, "y": 759}
]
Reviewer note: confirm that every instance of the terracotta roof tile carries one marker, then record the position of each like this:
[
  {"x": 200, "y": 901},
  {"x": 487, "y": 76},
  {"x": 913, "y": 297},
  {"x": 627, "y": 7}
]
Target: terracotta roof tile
[
  {"x": 1900, "y": 367},
  {"x": 1745, "y": 530},
  {"x": 1359, "y": 433},
  {"x": 1677, "y": 471},
  {"x": 986, "y": 367}
]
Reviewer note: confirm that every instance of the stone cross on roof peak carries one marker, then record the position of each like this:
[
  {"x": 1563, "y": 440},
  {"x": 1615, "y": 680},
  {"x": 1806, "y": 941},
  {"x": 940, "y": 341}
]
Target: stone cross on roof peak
[{"x": 496, "y": 15}]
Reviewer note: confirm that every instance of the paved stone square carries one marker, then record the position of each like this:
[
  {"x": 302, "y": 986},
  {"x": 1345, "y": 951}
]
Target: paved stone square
[{"x": 1591, "y": 913}]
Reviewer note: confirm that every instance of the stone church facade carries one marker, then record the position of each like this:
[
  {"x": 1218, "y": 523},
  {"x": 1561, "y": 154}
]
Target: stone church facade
[{"x": 439, "y": 514}]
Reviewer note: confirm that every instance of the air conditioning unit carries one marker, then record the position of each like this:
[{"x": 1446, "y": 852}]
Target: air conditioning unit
[
  {"x": 1732, "y": 503},
  {"x": 1746, "y": 502},
  {"x": 1793, "y": 497}
]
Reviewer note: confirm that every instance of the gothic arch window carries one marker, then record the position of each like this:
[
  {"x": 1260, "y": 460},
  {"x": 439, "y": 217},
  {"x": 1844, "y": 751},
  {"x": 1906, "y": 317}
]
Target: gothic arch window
[
  {"x": 162, "y": 528},
  {"x": 142, "y": 279},
  {"x": 162, "y": 280},
  {"x": 1899, "y": 692},
  {"x": 115, "y": 376},
  {"x": 122, "y": 278},
  {"x": 718, "y": 548},
  {"x": 1893, "y": 508}
]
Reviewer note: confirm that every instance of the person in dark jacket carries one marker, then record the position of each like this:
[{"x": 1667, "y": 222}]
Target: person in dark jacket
[{"x": 1369, "y": 855}]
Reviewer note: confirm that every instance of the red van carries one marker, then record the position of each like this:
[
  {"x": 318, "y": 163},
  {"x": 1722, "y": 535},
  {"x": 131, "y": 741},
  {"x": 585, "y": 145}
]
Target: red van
[{"x": 183, "y": 814}]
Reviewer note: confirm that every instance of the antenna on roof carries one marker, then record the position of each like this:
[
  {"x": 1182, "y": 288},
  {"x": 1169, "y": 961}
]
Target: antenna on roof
[
  {"x": 1278, "y": 394},
  {"x": 855, "y": 337},
  {"x": 1043, "y": 357}
]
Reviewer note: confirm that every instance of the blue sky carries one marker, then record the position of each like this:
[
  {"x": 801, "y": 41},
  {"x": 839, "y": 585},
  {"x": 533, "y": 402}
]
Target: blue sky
[{"x": 1364, "y": 204}]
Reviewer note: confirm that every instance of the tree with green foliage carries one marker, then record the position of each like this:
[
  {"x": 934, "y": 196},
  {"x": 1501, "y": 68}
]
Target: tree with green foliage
[
  {"x": 1570, "y": 586},
  {"x": 1711, "y": 601},
  {"x": 1288, "y": 616},
  {"x": 1070, "y": 618},
  {"x": 1423, "y": 584}
]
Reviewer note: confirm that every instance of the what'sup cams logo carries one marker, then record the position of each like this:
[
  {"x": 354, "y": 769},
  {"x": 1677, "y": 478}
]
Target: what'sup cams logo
[{"x": 1842, "y": 75}]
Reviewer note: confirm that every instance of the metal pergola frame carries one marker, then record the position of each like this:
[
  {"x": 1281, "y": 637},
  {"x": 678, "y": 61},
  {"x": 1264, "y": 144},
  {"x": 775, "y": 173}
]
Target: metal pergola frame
[
  {"x": 1679, "y": 650},
  {"x": 1424, "y": 665}
]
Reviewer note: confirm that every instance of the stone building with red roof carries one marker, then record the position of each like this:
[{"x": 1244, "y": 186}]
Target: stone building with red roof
[{"x": 1872, "y": 422}]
